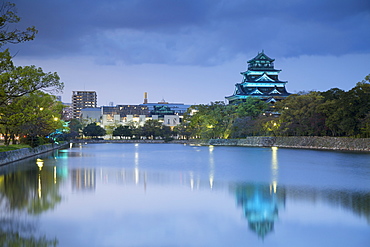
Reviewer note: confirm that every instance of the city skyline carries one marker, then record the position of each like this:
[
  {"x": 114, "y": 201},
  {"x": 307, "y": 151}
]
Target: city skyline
[{"x": 193, "y": 51}]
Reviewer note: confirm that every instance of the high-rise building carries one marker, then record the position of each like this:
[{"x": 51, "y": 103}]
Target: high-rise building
[{"x": 81, "y": 100}]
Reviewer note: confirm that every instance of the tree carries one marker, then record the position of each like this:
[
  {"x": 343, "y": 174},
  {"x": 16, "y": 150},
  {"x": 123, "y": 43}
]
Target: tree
[
  {"x": 33, "y": 115},
  {"x": 75, "y": 127},
  {"x": 152, "y": 129},
  {"x": 183, "y": 130},
  {"x": 41, "y": 112},
  {"x": 21, "y": 86},
  {"x": 301, "y": 115},
  {"x": 346, "y": 112},
  {"x": 93, "y": 130},
  {"x": 251, "y": 107},
  {"x": 8, "y": 17},
  {"x": 218, "y": 120},
  {"x": 365, "y": 126},
  {"x": 17, "y": 81},
  {"x": 122, "y": 131},
  {"x": 332, "y": 108},
  {"x": 109, "y": 129},
  {"x": 356, "y": 107}
]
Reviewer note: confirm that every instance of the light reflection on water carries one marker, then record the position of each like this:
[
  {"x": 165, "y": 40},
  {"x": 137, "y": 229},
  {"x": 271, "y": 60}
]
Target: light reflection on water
[{"x": 174, "y": 195}]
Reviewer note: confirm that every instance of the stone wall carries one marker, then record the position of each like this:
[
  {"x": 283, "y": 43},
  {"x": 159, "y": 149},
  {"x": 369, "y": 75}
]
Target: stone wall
[
  {"x": 14, "y": 155},
  {"x": 127, "y": 141},
  {"x": 309, "y": 142}
]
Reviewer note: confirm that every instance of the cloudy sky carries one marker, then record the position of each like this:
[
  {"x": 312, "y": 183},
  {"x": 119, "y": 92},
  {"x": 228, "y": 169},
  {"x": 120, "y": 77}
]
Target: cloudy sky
[{"x": 192, "y": 51}]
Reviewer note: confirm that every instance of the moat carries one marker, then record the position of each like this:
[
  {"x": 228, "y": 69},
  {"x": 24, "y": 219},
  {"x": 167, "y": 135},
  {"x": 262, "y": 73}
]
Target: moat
[{"x": 139, "y": 194}]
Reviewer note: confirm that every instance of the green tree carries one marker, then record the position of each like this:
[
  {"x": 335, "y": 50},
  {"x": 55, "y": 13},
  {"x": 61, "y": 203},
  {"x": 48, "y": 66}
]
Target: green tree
[
  {"x": 183, "y": 130},
  {"x": 75, "y": 127},
  {"x": 365, "y": 126},
  {"x": 248, "y": 120},
  {"x": 17, "y": 81},
  {"x": 8, "y": 34},
  {"x": 359, "y": 101},
  {"x": 251, "y": 107},
  {"x": 152, "y": 129},
  {"x": 122, "y": 131},
  {"x": 109, "y": 129},
  {"x": 218, "y": 120},
  {"x": 93, "y": 130},
  {"x": 301, "y": 115},
  {"x": 346, "y": 112},
  {"x": 332, "y": 108},
  {"x": 34, "y": 115},
  {"x": 166, "y": 133},
  {"x": 200, "y": 121}
]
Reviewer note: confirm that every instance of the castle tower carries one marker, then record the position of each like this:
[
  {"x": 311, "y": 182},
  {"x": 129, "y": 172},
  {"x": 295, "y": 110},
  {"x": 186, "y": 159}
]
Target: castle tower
[{"x": 260, "y": 81}]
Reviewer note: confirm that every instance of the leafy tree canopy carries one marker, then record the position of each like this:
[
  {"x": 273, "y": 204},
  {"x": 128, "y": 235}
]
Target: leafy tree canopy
[
  {"x": 16, "y": 81},
  {"x": 34, "y": 114},
  {"x": 93, "y": 130},
  {"x": 122, "y": 131},
  {"x": 8, "y": 34}
]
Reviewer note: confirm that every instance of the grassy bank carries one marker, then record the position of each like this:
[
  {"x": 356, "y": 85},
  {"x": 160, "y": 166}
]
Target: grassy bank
[{"x": 12, "y": 147}]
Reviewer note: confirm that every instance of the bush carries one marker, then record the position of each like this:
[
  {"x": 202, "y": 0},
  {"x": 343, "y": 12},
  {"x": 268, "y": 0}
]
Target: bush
[{"x": 35, "y": 141}]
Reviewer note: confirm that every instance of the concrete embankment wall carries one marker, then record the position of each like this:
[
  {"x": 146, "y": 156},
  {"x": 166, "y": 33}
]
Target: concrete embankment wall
[
  {"x": 309, "y": 142},
  {"x": 19, "y": 154},
  {"x": 127, "y": 141}
]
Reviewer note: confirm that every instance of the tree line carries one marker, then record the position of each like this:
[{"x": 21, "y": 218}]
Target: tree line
[
  {"x": 151, "y": 129},
  {"x": 334, "y": 112},
  {"x": 331, "y": 113},
  {"x": 26, "y": 107}
]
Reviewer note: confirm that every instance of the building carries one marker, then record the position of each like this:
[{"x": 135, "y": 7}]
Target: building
[
  {"x": 91, "y": 115},
  {"x": 260, "y": 81},
  {"x": 166, "y": 115},
  {"x": 176, "y": 108},
  {"x": 123, "y": 114},
  {"x": 81, "y": 100},
  {"x": 67, "y": 112}
]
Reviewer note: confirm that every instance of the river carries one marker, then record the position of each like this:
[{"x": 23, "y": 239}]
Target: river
[{"x": 183, "y": 195}]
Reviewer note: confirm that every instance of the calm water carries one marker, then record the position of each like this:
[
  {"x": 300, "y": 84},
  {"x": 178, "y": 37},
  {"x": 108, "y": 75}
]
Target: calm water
[{"x": 181, "y": 195}]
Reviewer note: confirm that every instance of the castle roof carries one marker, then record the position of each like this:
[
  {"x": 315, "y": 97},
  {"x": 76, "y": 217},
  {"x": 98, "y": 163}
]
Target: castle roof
[{"x": 261, "y": 56}]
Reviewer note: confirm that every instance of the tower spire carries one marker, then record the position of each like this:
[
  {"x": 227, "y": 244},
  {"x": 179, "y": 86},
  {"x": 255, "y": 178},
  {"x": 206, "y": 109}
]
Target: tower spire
[{"x": 145, "y": 98}]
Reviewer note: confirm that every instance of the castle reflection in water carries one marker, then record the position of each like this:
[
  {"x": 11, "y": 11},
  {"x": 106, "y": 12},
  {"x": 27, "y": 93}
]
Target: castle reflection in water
[{"x": 260, "y": 203}]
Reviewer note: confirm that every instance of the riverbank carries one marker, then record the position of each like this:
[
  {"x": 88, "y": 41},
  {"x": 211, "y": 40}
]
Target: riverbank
[
  {"x": 306, "y": 142},
  {"x": 128, "y": 141},
  {"x": 23, "y": 153}
]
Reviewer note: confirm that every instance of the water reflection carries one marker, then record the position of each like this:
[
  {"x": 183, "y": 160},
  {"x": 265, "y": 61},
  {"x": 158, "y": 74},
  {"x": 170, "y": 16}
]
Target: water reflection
[
  {"x": 274, "y": 168},
  {"x": 358, "y": 202},
  {"x": 190, "y": 192},
  {"x": 25, "y": 194},
  {"x": 136, "y": 163},
  {"x": 260, "y": 205},
  {"x": 211, "y": 166},
  {"x": 83, "y": 179}
]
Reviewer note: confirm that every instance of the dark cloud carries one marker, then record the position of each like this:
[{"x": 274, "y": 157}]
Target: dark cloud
[{"x": 202, "y": 32}]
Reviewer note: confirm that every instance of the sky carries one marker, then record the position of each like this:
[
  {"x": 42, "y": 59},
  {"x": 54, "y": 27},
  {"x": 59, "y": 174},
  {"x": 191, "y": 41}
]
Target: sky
[{"x": 192, "y": 51}]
